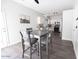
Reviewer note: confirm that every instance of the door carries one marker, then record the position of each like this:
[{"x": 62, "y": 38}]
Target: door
[{"x": 4, "y": 30}]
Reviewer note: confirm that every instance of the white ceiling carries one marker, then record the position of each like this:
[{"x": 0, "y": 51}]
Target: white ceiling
[{"x": 48, "y": 6}]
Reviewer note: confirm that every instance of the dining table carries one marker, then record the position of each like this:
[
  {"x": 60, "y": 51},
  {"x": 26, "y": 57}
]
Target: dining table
[{"x": 38, "y": 34}]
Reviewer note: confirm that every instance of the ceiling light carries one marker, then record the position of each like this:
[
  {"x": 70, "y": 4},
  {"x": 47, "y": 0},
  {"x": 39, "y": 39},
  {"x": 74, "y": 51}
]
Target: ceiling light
[{"x": 37, "y": 1}]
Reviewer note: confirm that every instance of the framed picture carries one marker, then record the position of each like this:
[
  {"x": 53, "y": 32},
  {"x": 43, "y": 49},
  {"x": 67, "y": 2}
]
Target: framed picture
[{"x": 25, "y": 19}]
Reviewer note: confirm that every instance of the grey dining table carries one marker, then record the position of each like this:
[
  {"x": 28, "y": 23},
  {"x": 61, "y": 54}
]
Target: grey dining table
[{"x": 38, "y": 34}]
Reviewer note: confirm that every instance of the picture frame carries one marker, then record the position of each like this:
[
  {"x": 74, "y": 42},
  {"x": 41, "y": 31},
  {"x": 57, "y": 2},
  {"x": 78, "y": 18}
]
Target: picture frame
[{"x": 25, "y": 19}]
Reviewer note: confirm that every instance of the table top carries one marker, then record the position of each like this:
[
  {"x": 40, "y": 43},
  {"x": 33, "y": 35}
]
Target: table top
[
  {"x": 42, "y": 32},
  {"x": 38, "y": 33}
]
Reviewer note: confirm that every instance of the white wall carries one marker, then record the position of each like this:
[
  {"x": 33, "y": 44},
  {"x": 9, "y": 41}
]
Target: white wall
[
  {"x": 67, "y": 25},
  {"x": 0, "y": 28},
  {"x": 70, "y": 32},
  {"x": 13, "y": 11},
  {"x": 75, "y": 30},
  {"x": 74, "y": 14}
]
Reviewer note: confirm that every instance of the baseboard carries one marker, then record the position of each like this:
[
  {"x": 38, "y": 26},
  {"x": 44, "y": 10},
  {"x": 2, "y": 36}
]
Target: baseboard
[
  {"x": 64, "y": 38},
  {"x": 76, "y": 54},
  {"x": 11, "y": 44}
]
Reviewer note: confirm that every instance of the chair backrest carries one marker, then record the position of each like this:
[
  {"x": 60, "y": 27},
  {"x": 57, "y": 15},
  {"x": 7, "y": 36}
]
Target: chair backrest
[
  {"x": 22, "y": 39},
  {"x": 31, "y": 32},
  {"x": 29, "y": 29},
  {"x": 21, "y": 35},
  {"x": 28, "y": 32},
  {"x": 28, "y": 39},
  {"x": 29, "y": 36}
]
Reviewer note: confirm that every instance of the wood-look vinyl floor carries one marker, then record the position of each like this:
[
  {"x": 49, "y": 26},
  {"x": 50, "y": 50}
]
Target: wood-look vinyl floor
[{"x": 59, "y": 49}]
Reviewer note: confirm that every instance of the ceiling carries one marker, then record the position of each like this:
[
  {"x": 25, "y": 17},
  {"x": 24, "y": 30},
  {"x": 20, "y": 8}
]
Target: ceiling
[{"x": 48, "y": 6}]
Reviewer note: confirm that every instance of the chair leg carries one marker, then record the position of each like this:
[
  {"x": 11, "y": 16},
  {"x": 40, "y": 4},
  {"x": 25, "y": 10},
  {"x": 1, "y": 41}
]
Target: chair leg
[
  {"x": 23, "y": 54},
  {"x": 38, "y": 48},
  {"x": 47, "y": 48},
  {"x": 31, "y": 52},
  {"x": 51, "y": 45}
]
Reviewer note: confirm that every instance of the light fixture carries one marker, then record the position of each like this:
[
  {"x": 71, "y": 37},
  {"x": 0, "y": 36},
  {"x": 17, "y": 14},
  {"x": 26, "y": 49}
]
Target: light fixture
[
  {"x": 37, "y": 1},
  {"x": 38, "y": 20}
]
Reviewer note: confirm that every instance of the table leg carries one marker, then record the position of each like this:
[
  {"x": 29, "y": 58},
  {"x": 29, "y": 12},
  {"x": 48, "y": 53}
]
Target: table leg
[
  {"x": 47, "y": 48},
  {"x": 40, "y": 54}
]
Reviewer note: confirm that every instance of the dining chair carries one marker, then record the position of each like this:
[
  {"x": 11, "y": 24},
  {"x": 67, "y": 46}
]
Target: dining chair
[
  {"x": 46, "y": 41},
  {"x": 46, "y": 36},
  {"x": 31, "y": 41}
]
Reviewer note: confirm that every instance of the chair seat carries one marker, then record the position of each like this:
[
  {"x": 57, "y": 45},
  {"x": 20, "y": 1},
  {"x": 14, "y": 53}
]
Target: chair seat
[
  {"x": 26, "y": 44},
  {"x": 33, "y": 41}
]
